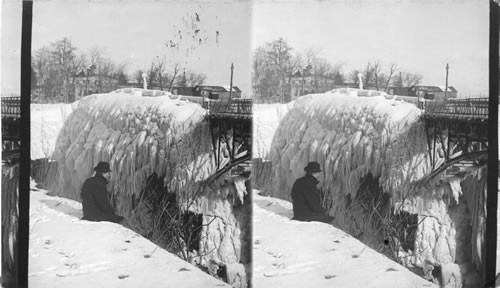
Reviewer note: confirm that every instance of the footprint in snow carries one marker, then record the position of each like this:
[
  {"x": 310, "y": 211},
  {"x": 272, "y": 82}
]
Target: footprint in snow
[
  {"x": 390, "y": 269},
  {"x": 67, "y": 254},
  {"x": 72, "y": 265},
  {"x": 47, "y": 244},
  {"x": 293, "y": 269},
  {"x": 330, "y": 276},
  {"x": 275, "y": 254},
  {"x": 279, "y": 265},
  {"x": 86, "y": 269}
]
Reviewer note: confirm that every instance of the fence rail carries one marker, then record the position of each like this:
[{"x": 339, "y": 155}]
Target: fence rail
[
  {"x": 470, "y": 108},
  {"x": 239, "y": 108},
  {"x": 11, "y": 107}
]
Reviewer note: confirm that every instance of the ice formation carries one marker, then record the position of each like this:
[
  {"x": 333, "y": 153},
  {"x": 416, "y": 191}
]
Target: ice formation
[
  {"x": 368, "y": 144},
  {"x": 162, "y": 135}
]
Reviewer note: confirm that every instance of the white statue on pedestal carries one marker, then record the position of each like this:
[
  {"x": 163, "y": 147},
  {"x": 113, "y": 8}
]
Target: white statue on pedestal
[
  {"x": 145, "y": 80},
  {"x": 360, "y": 77}
]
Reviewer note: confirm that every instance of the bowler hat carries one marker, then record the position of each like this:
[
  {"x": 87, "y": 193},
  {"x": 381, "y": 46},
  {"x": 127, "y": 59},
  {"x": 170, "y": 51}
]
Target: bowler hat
[
  {"x": 102, "y": 167},
  {"x": 312, "y": 167}
]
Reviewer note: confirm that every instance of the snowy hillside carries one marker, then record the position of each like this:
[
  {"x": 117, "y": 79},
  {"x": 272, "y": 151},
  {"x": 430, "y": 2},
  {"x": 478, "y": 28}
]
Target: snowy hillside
[
  {"x": 316, "y": 254},
  {"x": 373, "y": 151},
  {"x": 68, "y": 252}
]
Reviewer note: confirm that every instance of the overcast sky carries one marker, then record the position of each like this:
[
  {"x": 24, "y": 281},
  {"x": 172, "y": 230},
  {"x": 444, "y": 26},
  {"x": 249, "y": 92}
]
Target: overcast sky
[
  {"x": 135, "y": 33},
  {"x": 418, "y": 36}
]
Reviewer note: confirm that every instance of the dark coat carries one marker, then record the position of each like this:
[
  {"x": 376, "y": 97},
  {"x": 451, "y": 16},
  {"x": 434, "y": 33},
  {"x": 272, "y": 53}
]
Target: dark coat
[
  {"x": 306, "y": 201},
  {"x": 95, "y": 202}
]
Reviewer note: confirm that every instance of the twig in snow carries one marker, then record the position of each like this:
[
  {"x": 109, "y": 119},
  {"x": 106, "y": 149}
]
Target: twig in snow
[{"x": 357, "y": 255}]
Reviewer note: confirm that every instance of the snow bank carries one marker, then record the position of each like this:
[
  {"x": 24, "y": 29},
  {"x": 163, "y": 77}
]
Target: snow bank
[
  {"x": 316, "y": 254},
  {"x": 369, "y": 147},
  {"x": 46, "y": 122},
  {"x": 144, "y": 138},
  {"x": 67, "y": 252}
]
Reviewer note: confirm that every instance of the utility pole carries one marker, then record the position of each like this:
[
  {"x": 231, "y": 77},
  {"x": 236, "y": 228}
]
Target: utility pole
[
  {"x": 231, "y": 83},
  {"x": 446, "y": 87},
  {"x": 87, "y": 81},
  {"x": 302, "y": 82},
  {"x": 185, "y": 78}
]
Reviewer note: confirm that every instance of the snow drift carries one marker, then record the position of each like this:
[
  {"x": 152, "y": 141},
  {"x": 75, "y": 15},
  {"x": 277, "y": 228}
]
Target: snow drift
[
  {"x": 46, "y": 122},
  {"x": 161, "y": 138},
  {"x": 66, "y": 252},
  {"x": 373, "y": 151},
  {"x": 316, "y": 254}
]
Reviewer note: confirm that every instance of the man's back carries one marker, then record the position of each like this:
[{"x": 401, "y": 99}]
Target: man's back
[
  {"x": 305, "y": 198},
  {"x": 95, "y": 199}
]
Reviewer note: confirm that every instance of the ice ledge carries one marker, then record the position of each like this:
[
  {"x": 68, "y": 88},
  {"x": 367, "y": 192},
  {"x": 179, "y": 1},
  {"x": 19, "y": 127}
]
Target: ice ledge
[{"x": 290, "y": 253}]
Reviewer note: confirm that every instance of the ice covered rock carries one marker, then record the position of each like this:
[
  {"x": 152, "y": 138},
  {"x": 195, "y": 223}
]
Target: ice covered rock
[{"x": 147, "y": 135}]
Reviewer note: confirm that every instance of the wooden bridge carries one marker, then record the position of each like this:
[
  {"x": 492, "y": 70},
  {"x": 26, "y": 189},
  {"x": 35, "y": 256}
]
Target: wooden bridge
[
  {"x": 231, "y": 131},
  {"x": 460, "y": 128},
  {"x": 11, "y": 128}
]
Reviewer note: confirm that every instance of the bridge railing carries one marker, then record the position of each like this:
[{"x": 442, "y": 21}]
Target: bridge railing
[
  {"x": 11, "y": 106},
  {"x": 470, "y": 107},
  {"x": 234, "y": 107}
]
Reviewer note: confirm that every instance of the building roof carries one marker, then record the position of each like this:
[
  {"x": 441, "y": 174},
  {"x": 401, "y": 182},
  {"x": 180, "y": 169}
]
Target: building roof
[
  {"x": 434, "y": 88},
  {"x": 450, "y": 88},
  {"x": 217, "y": 88}
]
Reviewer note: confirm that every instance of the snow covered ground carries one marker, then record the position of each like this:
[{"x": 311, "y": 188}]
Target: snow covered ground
[
  {"x": 290, "y": 253},
  {"x": 68, "y": 252}
]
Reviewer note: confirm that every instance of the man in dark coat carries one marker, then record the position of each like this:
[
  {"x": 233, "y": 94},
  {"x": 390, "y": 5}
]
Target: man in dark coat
[
  {"x": 94, "y": 196},
  {"x": 305, "y": 197}
]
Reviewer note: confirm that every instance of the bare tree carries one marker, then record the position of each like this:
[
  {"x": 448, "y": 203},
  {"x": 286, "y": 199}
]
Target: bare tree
[
  {"x": 176, "y": 69},
  {"x": 63, "y": 54},
  {"x": 151, "y": 75},
  {"x": 105, "y": 69},
  {"x": 262, "y": 74},
  {"x": 392, "y": 69},
  {"x": 194, "y": 79},
  {"x": 376, "y": 73},
  {"x": 410, "y": 79},
  {"x": 367, "y": 76},
  {"x": 160, "y": 69},
  {"x": 55, "y": 66},
  {"x": 138, "y": 77}
]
